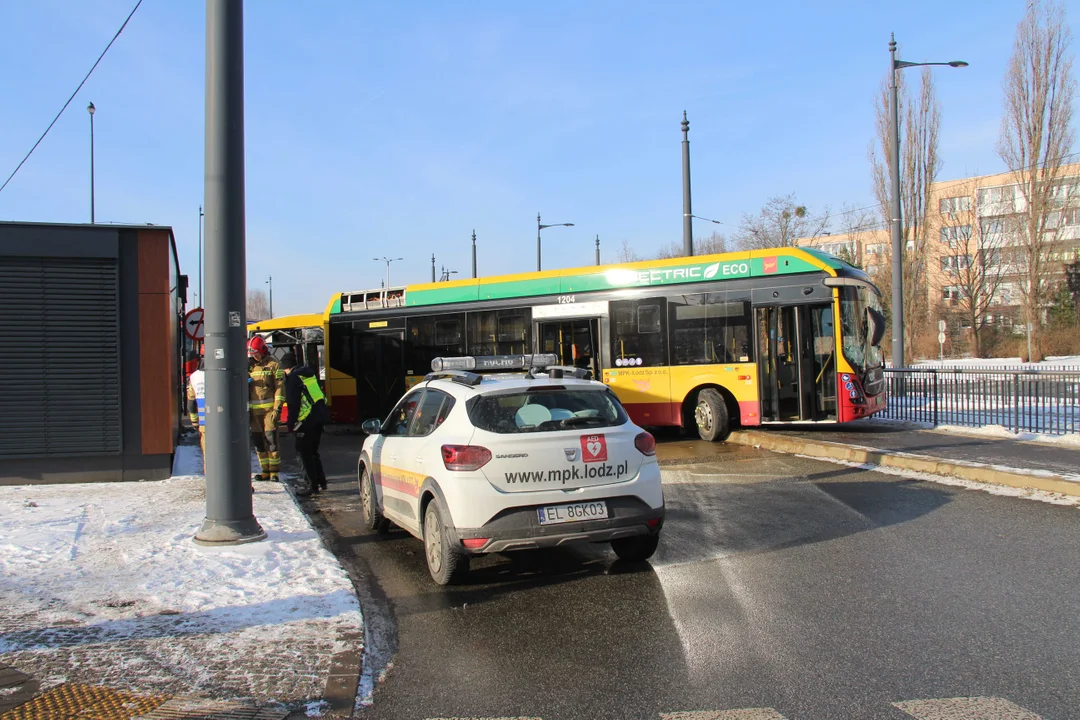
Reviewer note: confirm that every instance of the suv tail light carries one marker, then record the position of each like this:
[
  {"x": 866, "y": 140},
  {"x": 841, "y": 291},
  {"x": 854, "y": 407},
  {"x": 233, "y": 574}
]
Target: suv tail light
[
  {"x": 645, "y": 443},
  {"x": 465, "y": 457}
]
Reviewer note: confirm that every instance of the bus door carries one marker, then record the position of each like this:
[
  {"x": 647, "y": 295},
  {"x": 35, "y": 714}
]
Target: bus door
[
  {"x": 796, "y": 345},
  {"x": 380, "y": 371},
  {"x": 575, "y": 341}
]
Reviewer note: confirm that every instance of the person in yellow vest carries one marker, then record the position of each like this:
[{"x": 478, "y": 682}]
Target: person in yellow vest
[
  {"x": 307, "y": 414},
  {"x": 266, "y": 395}
]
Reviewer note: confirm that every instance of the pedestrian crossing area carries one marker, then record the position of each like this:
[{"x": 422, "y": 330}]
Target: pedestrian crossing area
[{"x": 958, "y": 708}]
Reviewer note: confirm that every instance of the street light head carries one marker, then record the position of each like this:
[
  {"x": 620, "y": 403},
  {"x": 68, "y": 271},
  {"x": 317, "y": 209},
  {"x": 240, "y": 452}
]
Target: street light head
[
  {"x": 569, "y": 224},
  {"x": 90, "y": 108},
  {"x": 957, "y": 63}
]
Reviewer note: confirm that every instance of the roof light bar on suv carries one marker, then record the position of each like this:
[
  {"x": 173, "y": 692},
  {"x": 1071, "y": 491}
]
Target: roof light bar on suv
[{"x": 494, "y": 362}]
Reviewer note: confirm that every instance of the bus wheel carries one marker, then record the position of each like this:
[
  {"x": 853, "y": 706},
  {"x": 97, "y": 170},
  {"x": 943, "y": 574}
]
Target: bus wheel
[{"x": 711, "y": 416}]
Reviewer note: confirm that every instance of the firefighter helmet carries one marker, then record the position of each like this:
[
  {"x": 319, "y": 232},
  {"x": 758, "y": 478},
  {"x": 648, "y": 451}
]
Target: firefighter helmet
[{"x": 257, "y": 345}]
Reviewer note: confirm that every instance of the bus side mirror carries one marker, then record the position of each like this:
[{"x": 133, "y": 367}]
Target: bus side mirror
[
  {"x": 875, "y": 321},
  {"x": 372, "y": 426}
]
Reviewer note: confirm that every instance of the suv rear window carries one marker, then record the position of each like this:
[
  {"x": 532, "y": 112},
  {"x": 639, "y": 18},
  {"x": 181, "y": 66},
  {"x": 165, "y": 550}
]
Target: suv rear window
[{"x": 543, "y": 410}]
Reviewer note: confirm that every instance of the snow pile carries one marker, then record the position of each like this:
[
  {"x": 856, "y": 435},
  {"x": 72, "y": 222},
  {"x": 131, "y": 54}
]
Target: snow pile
[
  {"x": 997, "y": 431},
  {"x": 102, "y": 583},
  {"x": 1050, "y": 363}
]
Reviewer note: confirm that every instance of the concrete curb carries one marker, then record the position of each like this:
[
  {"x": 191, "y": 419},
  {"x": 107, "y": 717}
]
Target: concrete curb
[{"x": 977, "y": 472}]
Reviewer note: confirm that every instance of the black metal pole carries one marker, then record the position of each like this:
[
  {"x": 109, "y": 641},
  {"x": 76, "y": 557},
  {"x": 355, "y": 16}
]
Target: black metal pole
[
  {"x": 688, "y": 218},
  {"x": 229, "y": 517},
  {"x": 270, "y": 282},
  {"x": 474, "y": 254},
  {"x": 597, "y": 249},
  {"x": 90, "y": 108},
  {"x": 538, "y": 228},
  {"x": 432, "y": 267}
]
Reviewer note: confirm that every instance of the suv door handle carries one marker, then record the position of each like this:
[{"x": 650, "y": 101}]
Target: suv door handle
[{"x": 420, "y": 460}]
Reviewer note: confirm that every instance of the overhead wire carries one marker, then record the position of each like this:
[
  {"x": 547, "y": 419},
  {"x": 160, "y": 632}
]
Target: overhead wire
[{"x": 87, "y": 77}]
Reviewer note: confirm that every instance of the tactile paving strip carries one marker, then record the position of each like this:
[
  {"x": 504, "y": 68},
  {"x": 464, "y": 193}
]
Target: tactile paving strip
[
  {"x": 189, "y": 708},
  {"x": 84, "y": 702}
]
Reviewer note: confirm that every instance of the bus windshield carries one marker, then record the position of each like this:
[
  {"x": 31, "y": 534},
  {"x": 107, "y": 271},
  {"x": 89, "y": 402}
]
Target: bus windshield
[{"x": 855, "y": 327}]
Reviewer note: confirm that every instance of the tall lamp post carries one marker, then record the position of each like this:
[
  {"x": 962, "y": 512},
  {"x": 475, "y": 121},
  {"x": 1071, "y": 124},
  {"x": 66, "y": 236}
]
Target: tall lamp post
[
  {"x": 270, "y": 282},
  {"x": 687, "y": 216},
  {"x": 202, "y": 303},
  {"x": 894, "y": 210},
  {"x": 90, "y": 109},
  {"x": 540, "y": 227},
  {"x": 390, "y": 260}
]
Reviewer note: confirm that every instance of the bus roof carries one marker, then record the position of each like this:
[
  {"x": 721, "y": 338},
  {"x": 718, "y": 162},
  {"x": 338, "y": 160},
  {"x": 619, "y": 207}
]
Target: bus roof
[
  {"x": 671, "y": 271},
  {"x": 287, "y": 322}
]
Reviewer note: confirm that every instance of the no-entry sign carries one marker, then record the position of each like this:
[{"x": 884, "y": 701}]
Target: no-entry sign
[{"x": 193, "y": 324}]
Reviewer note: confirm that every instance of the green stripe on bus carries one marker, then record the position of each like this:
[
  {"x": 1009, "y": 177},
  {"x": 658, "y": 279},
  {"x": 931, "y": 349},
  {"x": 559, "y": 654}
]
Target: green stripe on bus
[
  {"x": 614, "y": 278},
  {"x": 336, "y": 308}
]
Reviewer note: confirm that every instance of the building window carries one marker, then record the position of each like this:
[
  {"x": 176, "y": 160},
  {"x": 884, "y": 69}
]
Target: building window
[
  {"x": 953, "y": 205},
  {"x": 875, "y": 249},
  {"x": 950, "y": 294},
  {"x": 953, "y": 263},
  {"x": 997, "y": 195},
  {"x": 955, "y": 234}
]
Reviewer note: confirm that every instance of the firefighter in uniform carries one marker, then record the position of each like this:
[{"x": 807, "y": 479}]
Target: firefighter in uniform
[
  {"x": 266, "y": 395},
  {"x": 196, "y": 397}
]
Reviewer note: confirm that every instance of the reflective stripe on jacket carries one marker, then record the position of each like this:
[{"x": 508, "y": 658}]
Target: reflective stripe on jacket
[
  {"x": 312, "y": 394},
  {"x": 266, "y": 386}
]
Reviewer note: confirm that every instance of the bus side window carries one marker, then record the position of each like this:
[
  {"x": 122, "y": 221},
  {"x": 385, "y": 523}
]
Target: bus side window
[{"x": 639, "y": 332}]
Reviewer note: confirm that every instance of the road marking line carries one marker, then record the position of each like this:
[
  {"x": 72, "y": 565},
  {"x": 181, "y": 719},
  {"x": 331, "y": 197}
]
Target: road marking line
[
  {"x": 966, "y": 708},
  {"x": 747, "y": 714}
]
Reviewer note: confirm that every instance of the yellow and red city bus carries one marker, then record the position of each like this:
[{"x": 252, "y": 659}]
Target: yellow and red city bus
[
  {"x": 744, "y": 338},
  {"x": 304, "y": 335}
]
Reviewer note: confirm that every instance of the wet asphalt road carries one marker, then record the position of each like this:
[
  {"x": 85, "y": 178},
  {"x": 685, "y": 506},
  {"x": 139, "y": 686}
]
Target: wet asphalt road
[{"x": 817, "y": 590}]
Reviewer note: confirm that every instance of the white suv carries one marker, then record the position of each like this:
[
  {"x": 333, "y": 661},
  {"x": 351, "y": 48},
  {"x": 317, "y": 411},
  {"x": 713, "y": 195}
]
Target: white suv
[{"x": 474, "y": 464}]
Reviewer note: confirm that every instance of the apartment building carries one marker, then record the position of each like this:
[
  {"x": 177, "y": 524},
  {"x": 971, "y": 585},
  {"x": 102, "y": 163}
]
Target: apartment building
[{"x": 972, "y": 244}]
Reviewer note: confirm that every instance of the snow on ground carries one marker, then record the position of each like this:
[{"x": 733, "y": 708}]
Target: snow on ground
[
  {"x": 1050, "y": 363},
  {"x": 102, "y": 583},
  {"x": 997, "y": 431}
]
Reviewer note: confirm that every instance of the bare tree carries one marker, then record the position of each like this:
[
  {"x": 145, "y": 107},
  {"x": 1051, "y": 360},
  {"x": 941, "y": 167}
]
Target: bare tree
[
  {"x": 626, "y": 253},
  {"x": 1036, "y": 137},
  {"x": 919, "y": 166},
  {"x": 974, "y": 262},
  {"x": 258, "y": 306},
  {"x": 779, "y": 224},
  {"x": 715, "y": 243}
]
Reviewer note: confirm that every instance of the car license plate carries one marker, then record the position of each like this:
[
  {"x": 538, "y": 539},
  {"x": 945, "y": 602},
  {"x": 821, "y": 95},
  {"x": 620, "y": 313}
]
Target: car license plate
[{"x": 577, "y": 512}]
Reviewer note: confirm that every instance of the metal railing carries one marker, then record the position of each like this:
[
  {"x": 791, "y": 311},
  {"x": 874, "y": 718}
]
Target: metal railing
[{"x": 1036, "y": 401}]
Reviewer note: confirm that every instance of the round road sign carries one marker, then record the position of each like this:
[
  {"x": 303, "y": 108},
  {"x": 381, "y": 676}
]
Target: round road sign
[{"x": 193, "y": 324}]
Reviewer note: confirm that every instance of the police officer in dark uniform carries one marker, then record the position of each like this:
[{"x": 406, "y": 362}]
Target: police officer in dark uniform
[{"x": 307, "y": 414}]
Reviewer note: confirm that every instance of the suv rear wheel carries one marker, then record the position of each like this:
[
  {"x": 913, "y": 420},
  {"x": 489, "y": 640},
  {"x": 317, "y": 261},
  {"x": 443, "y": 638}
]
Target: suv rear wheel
[
  {"x": 369, "y": 502},
  {"x": 445, "y": 561},
  {"x": 636, "y": 549}
]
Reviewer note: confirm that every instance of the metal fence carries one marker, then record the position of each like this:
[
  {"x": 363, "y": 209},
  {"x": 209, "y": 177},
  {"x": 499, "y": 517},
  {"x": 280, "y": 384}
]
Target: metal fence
[{"x": 1028, "y": 400}]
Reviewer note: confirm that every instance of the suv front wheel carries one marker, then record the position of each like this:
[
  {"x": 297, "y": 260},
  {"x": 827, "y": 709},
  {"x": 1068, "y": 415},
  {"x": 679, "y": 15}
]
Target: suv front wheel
[{"x": 445, "y": 561}]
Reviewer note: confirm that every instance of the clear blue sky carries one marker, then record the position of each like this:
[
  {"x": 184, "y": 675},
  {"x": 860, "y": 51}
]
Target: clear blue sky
[{"x": 390, "y": 128}]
